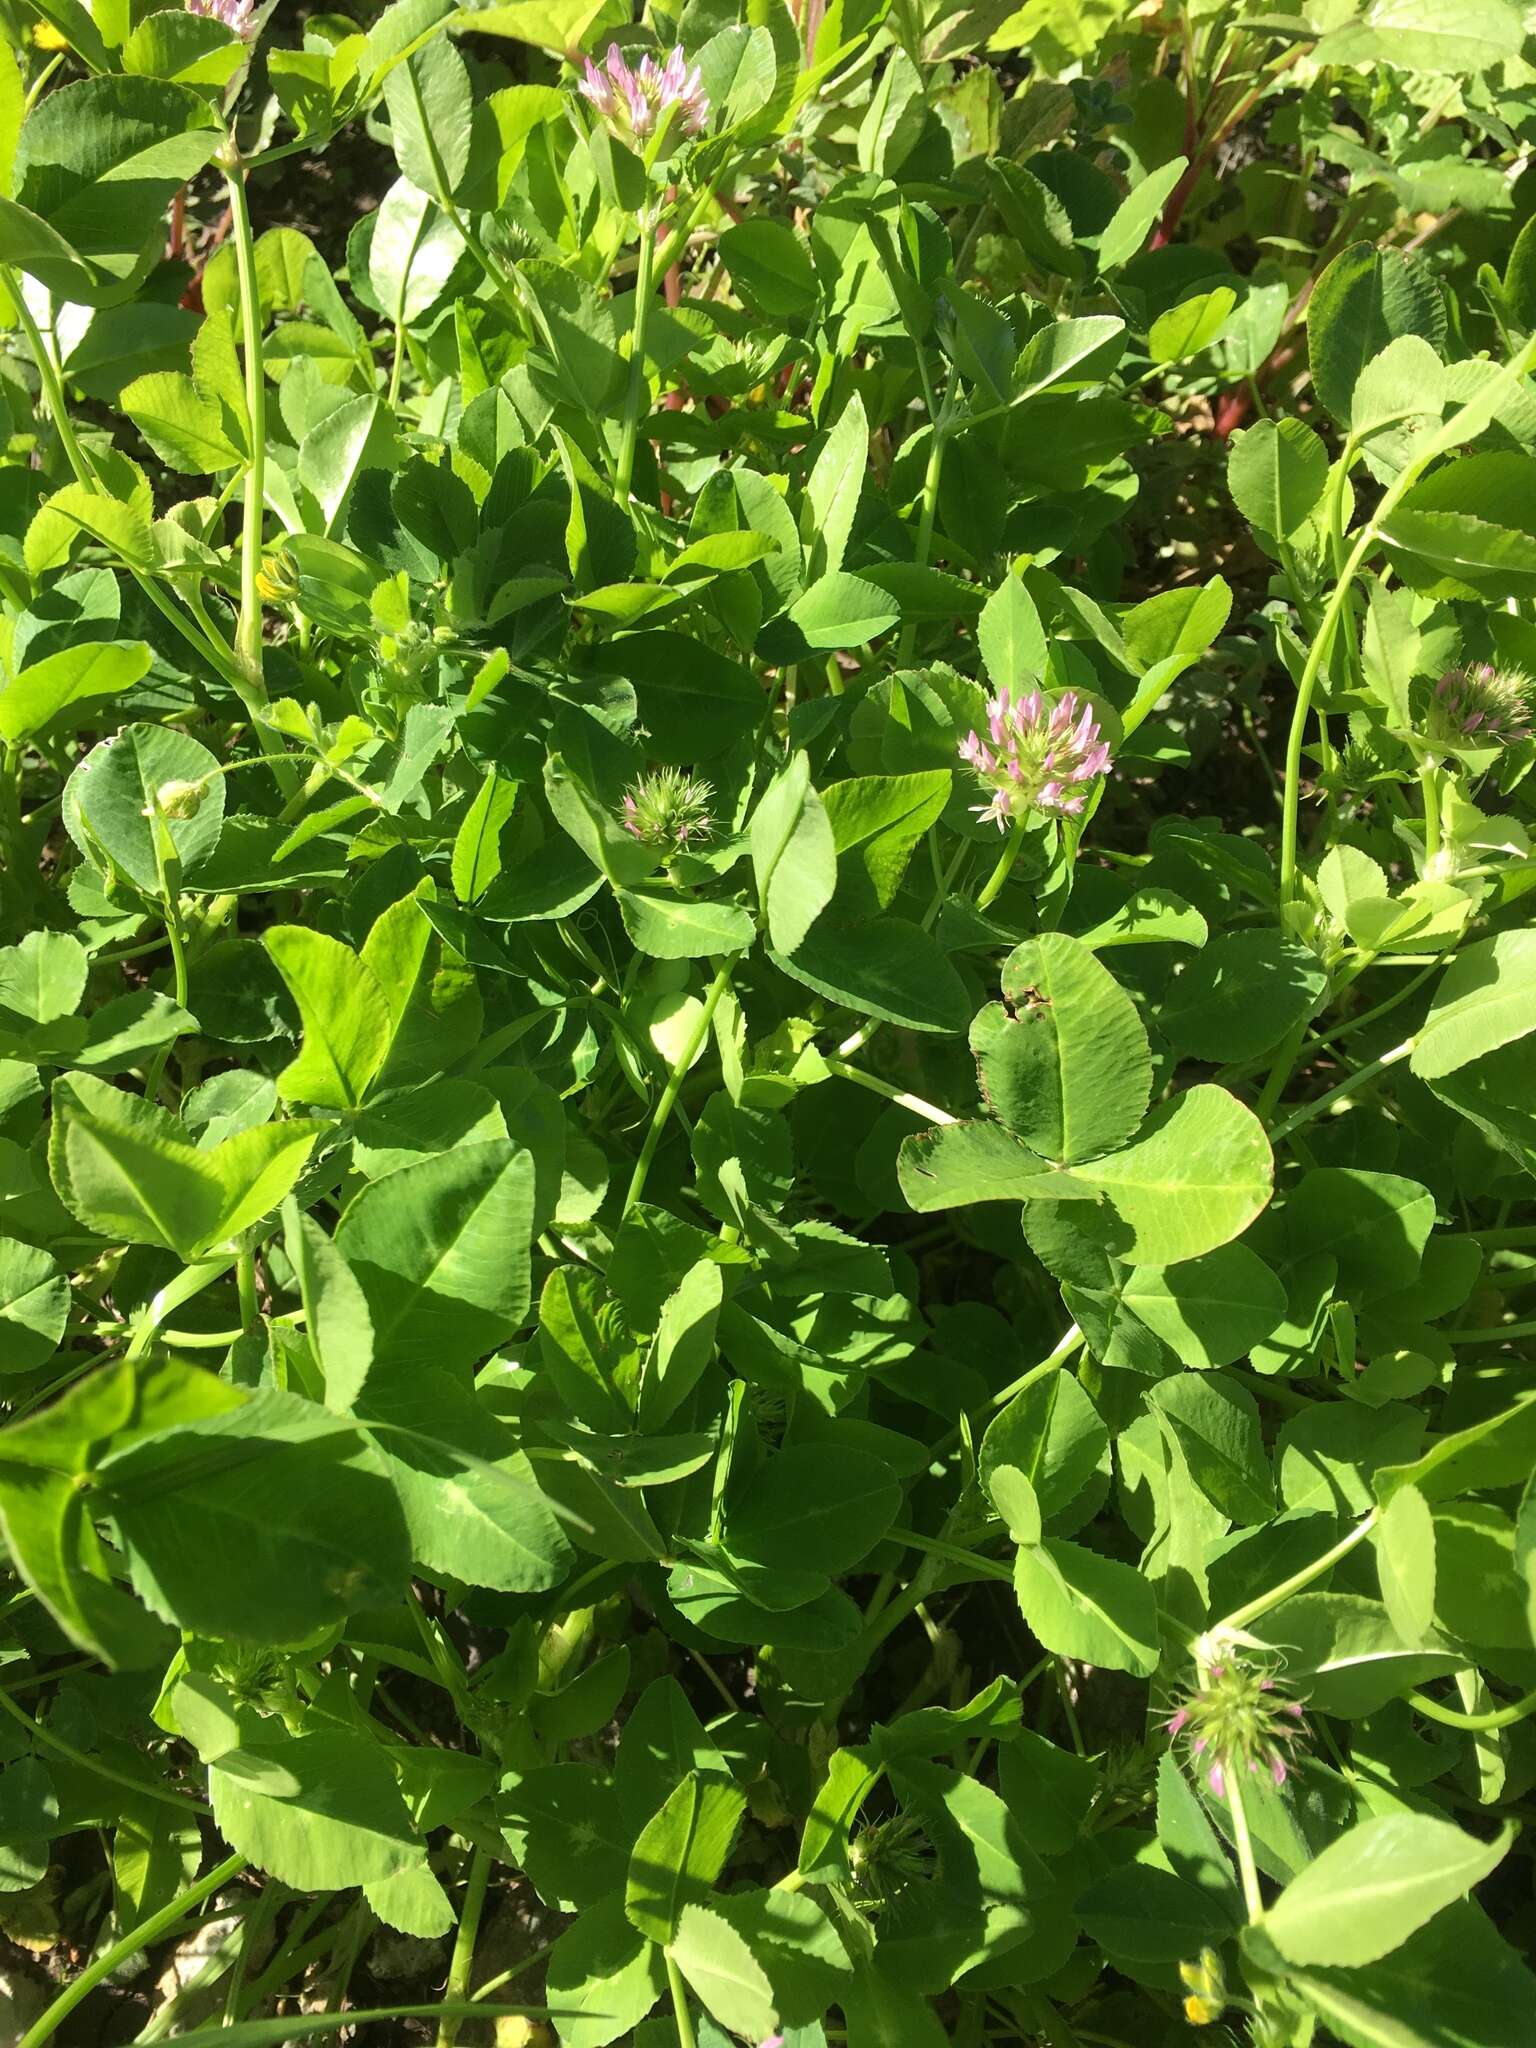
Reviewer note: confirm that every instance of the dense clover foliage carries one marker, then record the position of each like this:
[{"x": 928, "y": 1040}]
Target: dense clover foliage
[{"x": 768, "y": 1023}]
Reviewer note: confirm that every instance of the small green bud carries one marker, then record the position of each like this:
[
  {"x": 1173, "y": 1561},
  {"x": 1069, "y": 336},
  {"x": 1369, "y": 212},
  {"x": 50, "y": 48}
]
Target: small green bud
[{"x": 179, "y": 800}]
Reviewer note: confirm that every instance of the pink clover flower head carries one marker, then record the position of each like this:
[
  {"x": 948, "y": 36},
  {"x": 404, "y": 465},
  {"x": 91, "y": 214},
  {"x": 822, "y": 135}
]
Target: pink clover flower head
[
  {"x": 1238, "y": 1718},
  {"x": 238, "y": 16},
  {"x": 667, "y": 809},
  {"x": 1482, "y": 706},
  {"x": 637, "y": 101},
  {"x": 1036, "y": 755}
]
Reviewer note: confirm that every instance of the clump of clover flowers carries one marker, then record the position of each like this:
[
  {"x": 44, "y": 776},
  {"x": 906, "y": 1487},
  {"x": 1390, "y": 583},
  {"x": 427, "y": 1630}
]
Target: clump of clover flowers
[
  {"x": 1238, "y": 1720},
  {"x": 1037, "y": 755},
  {"x": 238, "y": 16},
  {"x": 669, "y": 810},
  {"x": 642, "y": 102},
  {"x": 1481, "y": 706}
]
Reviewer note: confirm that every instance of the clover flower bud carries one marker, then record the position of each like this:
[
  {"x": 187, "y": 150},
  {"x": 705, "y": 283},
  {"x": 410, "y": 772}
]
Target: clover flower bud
[
  {"x": 238, "y": 16},
  {"x": 1238, "y": 1719},
  {"x": 1481, "y": 706},
  {"x": 1205, "y": 1982},
  {"x": 668, "y": 809},
  {"x": 277, "y": 579},
  {"x": 1038, "y": 756},
  {"x": 637, "y": 103},
  {"x": 179, "y": 800},
  {"x": 889, "y": 1854}
]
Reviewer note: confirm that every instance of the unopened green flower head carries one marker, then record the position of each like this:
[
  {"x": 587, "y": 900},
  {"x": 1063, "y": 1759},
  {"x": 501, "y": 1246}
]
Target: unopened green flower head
[
  {"x": 668, "y": 809},
  {"x": 1238, "y": 1719},
  {"x": 888, "y": 1854},
  {"x": 179, "y": 800},
  {"x": 1481, "y": 706}
]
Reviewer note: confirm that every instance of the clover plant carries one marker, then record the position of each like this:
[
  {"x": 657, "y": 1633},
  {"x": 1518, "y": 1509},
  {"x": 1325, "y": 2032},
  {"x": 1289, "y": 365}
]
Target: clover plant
[{"x": 768, "y": 1022}]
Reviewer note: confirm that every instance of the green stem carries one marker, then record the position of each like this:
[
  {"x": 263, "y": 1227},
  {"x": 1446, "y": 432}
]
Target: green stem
[
  {"x": 1358, "y": 1079},
  {"x": 1499, "y": 1717},
  {"x": 680, "y": 2012},
  {"x": 12, "y": 840},
  {"x": 1490, "y": 1336},
  {"x": 932, "y": 476},
  {"x": 1241, "y": 1616},
  {"x": 1291, "y": 790},
  {"x": 53, "y": 386},
  {"x": 397, "y": 364},
  {"x": 1429, "y": 784},
  {"x": 669, "y": 1094},
  {"x": 245, "y": 1279},
  {"x": 1504, "y": 1240},
  {"x": 1242, "y": 1841},
  {"x": 189, "y": 1281},
  {"x": 1057, "y": 1357},
  {"x": 928, "y": 504},
  {"x": 248, "y": 647},
  {"x": 40, "y": 1732},
  {"x": 34, "y": 1679},
  {"x": 168, "y": 869},
  {"x": 1004, "y": 868},
  {"x": 952, "y": 1553},
  {"x": 464, "y": 1943},
  {"x": 929, "y": 1111},
  {"x": 644, "y": 291},
  {"x": 1391, "y": 1002},
  {"x": 1280, "y": 1071},
  {"x": 1047, "y": 2021},
  {"x": 133, "y": 1943}
]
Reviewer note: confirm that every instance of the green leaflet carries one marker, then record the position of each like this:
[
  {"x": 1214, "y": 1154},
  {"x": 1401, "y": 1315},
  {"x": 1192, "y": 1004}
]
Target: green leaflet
[
  {"x": 1392, "y": 1873},
  {"x": 123, "y": 1168}
]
